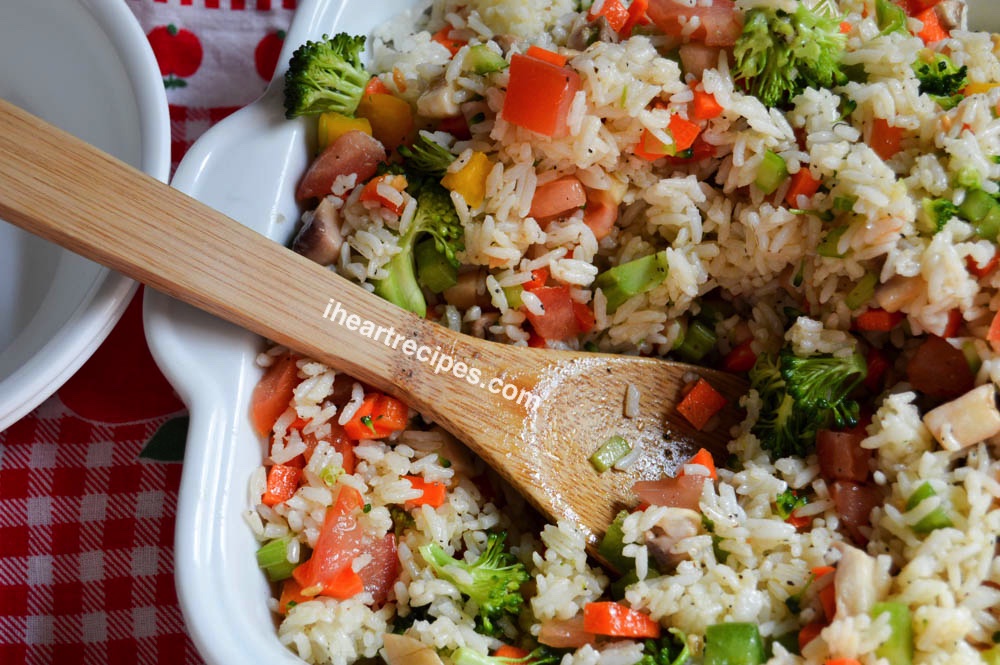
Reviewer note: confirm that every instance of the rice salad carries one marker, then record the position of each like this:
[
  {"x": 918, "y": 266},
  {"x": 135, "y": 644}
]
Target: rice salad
[{"x": 805, "y": 193}]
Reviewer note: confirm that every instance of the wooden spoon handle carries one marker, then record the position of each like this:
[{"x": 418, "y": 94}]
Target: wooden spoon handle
[{"x": 77, "y": 196}]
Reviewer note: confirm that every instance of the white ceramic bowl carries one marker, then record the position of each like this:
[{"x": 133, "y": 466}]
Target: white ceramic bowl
[
  {"x": 85, "y": 66},
  {"x": 247, "y": 167}
]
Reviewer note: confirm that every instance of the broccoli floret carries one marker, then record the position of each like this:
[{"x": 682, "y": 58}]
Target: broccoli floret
[
  {"x": 435, "y": 216},
  {"x": 670, "y": 649},
  {"x": 540, "y": 656},
  {"x": 780, "y": 54},
  {"x": 427, "y": 156},
  {"x": 801, "y": 396},
  {"x": 492, "y": 582},
  {"x": 941, "y": 79},
  {"x": 937, "y": 213},
  {"x": 326, "y": 76}
]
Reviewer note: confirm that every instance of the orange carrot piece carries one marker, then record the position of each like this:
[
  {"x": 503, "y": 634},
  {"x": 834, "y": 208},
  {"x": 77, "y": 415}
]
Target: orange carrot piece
[
  {"x": 705, "y": 459},
  {"x": 993, "y": 336},
  {"x": 828, "y": 599},
  {"x": 291, "y": 593},
  {"x": 798, "y": 521},
  {"x": 981, "y": 271},
  {"x": 683, "y": 131},
  {"x": 704, "y": 106},
  {"x": 272, "y": 395},
  {"x": 612, "y": 10},
  {"x": 433, "y": 493},
  {"x": 885, "y": 138},
  {"x": 376, "y": 87},
  {"x": 616, "y": 620},
  {"x": 282, "y": 481},
  {"x": 508, "y": 651},
  {"x": 636, "y": 16},
  {"x": 954, "y": 323},
  {"x": 442, "y": 38},
  {"x": 701, "y": 403},
  {"x": 371, "y": 192},
  {"x": 546, "y": 55},
  {"x": 809, "y": 632},
  {"x": 802, "y": 184},
  {"x": 932, "y": 31},
  {"x": 878, "y": 320}
]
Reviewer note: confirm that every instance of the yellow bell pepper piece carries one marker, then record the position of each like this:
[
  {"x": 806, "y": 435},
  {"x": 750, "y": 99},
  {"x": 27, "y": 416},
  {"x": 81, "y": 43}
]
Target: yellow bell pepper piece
[
  {"x": 391, "y": 118},
  {"x": 333, "y": 125},
  {"x": 976, "y": 88},
  {"x": 470, "y": 180}
]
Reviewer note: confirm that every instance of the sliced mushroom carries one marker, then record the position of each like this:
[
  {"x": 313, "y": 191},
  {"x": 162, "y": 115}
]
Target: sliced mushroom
[
  {"x": 858, "y": 583},
  {"x": 898, "y": 292},
  {"x": 953, "y": 14},
  {"x": 403, "y": 650},
  {"x": 676, "y": 525},
  {"x": 438, "y": 102},
  {"x": 320, "y": 239},
  {"x": 967, "y": 420}
]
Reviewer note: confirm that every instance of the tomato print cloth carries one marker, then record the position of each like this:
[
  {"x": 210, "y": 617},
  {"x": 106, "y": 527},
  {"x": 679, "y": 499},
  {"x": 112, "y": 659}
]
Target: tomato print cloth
[{"x": 88, "y": 481}]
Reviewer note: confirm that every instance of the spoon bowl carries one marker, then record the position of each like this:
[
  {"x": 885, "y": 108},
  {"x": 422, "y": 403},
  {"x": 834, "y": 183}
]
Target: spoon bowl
[{"x": 534, "y": 415}]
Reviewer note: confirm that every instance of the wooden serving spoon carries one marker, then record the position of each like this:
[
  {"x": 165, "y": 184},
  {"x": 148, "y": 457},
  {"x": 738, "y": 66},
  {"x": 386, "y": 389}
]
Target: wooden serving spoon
[{"x": 534, "y": 415}]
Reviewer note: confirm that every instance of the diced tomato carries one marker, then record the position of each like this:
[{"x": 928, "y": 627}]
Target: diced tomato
[
  {"x": 539, "y": 95},
  {"x": 800, "y": 522},
  {"x": 741, "y": 358},
  {"x": 378, "y": 417},
  {"x": 701, "y": 403},
  {"x": 878, "y": 320},
  {"x": 841, "y": 456},
  {"x": 338, "y": 544},
  {"x": 539, "y": 276},
  {"x": 382, "y": 571},
  {"x": 273, "y": 393},
  {"x": 802, "y": 183},
  {"x": 914, "y": 7},
  {"x": 372, "y": 192},
  {"x": 545, "y": 55},
  {"x": 854, "y": 503},
  {"x": 558, "y": 321},
  {"x": 433, "y": 493},
  {"x": 845, "y": 27},
  {"x": 704, "y": 106},
  {"x": 442, "y": 38},
  {"x": 508, "y": 651},
  {"x": 939, "y": 370},
  {"x": 932, "y": 31},
  {"x": 613, "y": 10},
  {"x": 558, "y": 197},
  {"x": 718, "y": 25},
  {"x": 683, "y": 131},
  {"x": 282, "y": 481},
  {"x": 455, "y": 125},
  {"x": 536, "y": 341},
  {"x": 376, "y": 87},
  {"x": 680, "y": 492},
  {"x": 617, "y": 620},
  {"x": 565, "y": 633},
  {"x": 651, "y": 148},
  {"x": 886, "y": 139},
  {"x": 877, "y": 364},
  {"x": 584, "y": 317},
  {"x": 600, "y": 212}
]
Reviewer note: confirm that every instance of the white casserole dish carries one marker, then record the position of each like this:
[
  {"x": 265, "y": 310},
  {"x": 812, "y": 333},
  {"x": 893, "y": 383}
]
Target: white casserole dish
[{"x": 86, "y": 66}]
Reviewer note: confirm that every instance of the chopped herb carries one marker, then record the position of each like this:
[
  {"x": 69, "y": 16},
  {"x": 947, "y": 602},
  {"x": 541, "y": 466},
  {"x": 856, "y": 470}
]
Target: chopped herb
[
  {"x": 788, "y": 501},
  {"x": 367, "y": 422}
]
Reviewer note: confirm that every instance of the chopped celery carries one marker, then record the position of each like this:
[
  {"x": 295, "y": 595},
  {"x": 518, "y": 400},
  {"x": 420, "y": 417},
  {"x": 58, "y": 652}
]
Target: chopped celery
[
  {"x": 890, "y": 17},
  {"x": 936, "y": 519},
  {"x": 612, "y": 543},
  {"x": 632, "y": 278},
  {"x": 972, "y": 356},
  {"x": 610, "y": 452},
  {"x": 936, "y": 213},
  {"x": 434, "y": 270},
  {"x": 898, "y": 649},
  {"x": 828, "y": 247},
  {"x": 698, "y": 341},
  {"x": 844, "y": 203},
  {"x": 733, "y": 644},
  {"x": 513, "y": 294},
  {"x": 272, "y": 557},
  {"x": 771, "y": 172},
  {"x": 482, "y": 60},
  {"x": 862, "y": 291}
]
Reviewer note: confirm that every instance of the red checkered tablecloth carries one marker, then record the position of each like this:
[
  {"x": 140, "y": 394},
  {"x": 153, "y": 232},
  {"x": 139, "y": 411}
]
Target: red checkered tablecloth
[{"x": 88, "y": 481}]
